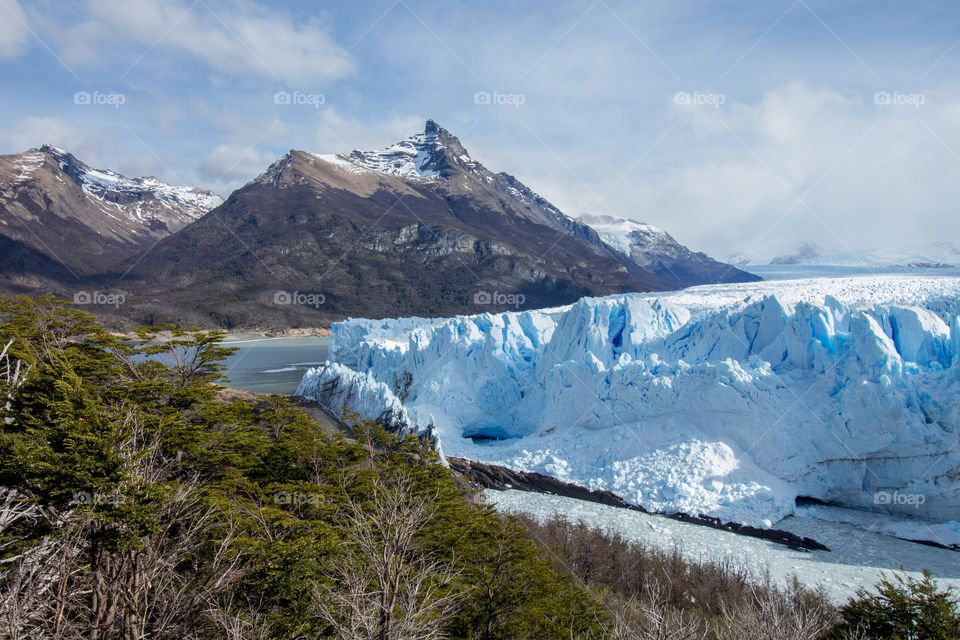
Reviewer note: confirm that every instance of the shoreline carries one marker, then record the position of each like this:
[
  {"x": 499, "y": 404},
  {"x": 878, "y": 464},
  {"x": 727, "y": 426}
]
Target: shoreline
[{"x": 248, "y": 335}]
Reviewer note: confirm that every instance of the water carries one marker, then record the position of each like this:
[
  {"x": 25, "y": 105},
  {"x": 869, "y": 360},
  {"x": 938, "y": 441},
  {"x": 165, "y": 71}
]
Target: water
[{"x": 273, "y": 365}]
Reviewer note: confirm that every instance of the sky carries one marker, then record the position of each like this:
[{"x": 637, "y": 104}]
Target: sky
[{"x": 742, "y": 128}]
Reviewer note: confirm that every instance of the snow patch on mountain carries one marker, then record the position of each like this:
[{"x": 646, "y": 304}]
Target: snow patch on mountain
[
  {"x": 106, "y": 185},
  {"x": 409, "y": 158},
  {"x": 623, "y": 235},
  {"x": 342, "y": 163},
  {"x": 728, "y": 400},
  {"x": 656, "y": 251},
  {"x": 130, "y": 195},
  {"x": 28, "y": 163}
]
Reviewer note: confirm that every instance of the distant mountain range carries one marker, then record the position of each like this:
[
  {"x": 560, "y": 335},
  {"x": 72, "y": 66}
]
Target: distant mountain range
[
  {"x": 655, "y": 250},
  {"x": 61, "y": 221},
  {"x": 938, "y": 254},
  {"x": 419, "y": 228}
]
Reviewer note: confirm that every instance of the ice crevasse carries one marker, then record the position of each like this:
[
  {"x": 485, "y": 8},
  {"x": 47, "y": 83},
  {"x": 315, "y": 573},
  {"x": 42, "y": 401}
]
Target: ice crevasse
[{"x": 726, "y": 400}]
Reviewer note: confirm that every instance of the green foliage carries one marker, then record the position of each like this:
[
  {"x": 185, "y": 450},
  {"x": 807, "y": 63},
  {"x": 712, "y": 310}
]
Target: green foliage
[
  {"x": 182, "y": 510},
  {"x": 903, "y": 608}
]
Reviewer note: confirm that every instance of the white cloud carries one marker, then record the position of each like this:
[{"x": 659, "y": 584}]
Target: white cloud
[
  {"x": 14, "y": 34},
  {"x": 725, "y": 180},
  {"x": 36, "y": 130},
  {"x": 237, "y": 39},
  {"x": 228, "y": 166},
  {"x": 100, "y": 148},
  {"x": 809, "y": 163},
  {"x": 337, "y": 134}
]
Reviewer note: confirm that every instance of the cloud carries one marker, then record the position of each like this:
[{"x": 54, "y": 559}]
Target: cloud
[
  {"x": 335, "y": 133},
  {"x": 34, "y": 131},
  {"x": 238, "y": 38},
  {"x": 598, "y": 129},
  {"x": 809, "y": 163},
  {"x": 227, "y": 166},
  {"x": 800, "y": 162},
  {"x": 14, "y": 34},
  {"x": 101, "y": 148}
]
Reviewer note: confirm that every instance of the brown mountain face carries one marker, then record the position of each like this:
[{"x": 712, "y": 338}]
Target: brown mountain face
[
  {"x": 416, "y": 229},
  {"x": 419, "y": 228},
  {"x": 62, "y": 221}
]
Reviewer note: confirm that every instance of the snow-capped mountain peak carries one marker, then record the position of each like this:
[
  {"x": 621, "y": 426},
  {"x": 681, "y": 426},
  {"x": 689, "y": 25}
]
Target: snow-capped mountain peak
[
  {"x": 623, "y": 234},
  {"x": 421, "y": 156},
  {"x": 655, "y": 250},
  {"x": 61, "y": 216},
  {"x": 130, "y": 195}
]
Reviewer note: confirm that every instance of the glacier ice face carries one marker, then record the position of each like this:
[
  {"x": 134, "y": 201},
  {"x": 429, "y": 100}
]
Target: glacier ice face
[
  {"x": 343, "y": 390},
  {"x": 727, "y": 400}
]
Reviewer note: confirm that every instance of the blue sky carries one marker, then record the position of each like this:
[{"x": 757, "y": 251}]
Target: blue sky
[{"x": 736, "y": 126}]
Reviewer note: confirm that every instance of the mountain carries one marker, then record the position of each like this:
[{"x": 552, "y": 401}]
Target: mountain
[
  {"x": 61, "y": 220},
  {"x": 687, "y": 401},
  {"x": 937, "y": 254},
  {"x": 655, "y": 251},
  {"x": 418, "y": 228}
]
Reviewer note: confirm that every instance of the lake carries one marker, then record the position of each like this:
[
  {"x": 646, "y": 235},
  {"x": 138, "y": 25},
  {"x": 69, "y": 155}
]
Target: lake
[{"x": 273, "y": 365}]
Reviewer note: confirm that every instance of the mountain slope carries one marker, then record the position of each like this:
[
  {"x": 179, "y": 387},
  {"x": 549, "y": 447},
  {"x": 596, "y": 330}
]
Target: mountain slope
[
  {"x": 61, "y": 219},
  {"x": 656, "y": 251},
  {"x": 417, "y": 228}
]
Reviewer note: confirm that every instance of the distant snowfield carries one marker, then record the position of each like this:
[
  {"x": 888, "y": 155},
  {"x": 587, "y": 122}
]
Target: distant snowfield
[
  {"x": 801, "y": 271},
  {"x": 727, "y": 400},
  {"x": 857, "y": 557},
  {"x": 936, "y": 254}
]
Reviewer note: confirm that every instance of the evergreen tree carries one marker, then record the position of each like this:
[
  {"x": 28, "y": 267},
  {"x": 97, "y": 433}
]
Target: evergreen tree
[{"x": 903, "y": 608}]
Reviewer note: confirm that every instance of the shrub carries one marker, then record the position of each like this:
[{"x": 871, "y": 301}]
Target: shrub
[{"x": 902, "y": 608}]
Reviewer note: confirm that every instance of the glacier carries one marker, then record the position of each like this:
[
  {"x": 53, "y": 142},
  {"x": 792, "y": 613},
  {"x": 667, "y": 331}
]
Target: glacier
[{"x": 724, "y": 400}]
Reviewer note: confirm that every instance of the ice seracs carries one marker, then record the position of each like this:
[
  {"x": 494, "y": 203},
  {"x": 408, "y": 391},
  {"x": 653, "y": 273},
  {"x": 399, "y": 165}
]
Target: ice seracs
[
  {"x": 344, "y": 390},
  {"x": 727, "y": 400}
]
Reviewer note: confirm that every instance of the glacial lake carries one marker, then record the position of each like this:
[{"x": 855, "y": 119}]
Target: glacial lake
[{"x": 273, "y": 365}]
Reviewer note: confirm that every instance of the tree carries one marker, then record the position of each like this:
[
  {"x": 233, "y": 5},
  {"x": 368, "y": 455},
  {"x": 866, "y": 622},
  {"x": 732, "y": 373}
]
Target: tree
[
  {"x": 383, "y": 586},
  {"x": 140, "y": 500},
  {"x": 903, "y": 608}
]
